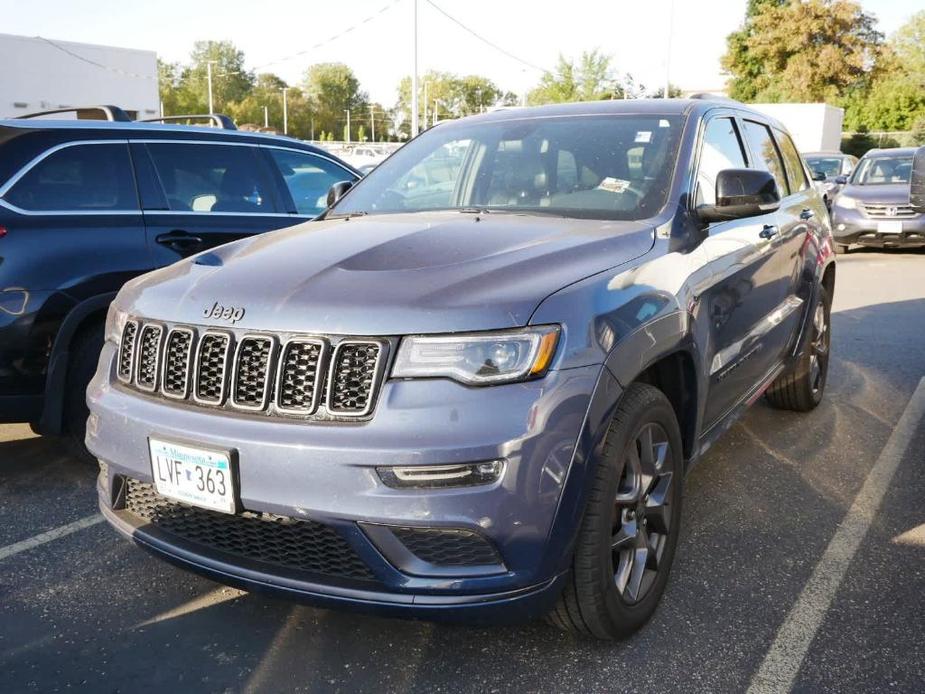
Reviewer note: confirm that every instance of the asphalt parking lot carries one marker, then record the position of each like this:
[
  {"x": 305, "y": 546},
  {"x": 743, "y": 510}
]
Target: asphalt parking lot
[{"x": 757, "y": 563}]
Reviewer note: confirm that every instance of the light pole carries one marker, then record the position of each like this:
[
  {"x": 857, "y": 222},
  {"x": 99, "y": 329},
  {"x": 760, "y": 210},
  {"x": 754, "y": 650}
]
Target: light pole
[
  {"x": 209, "y": 64},
  {"x": 372, "y": 124},
  {"x": 414, "y": 70},
  {"x": 668, "y": 51},
  {"x": 285, "y": 111},
  {"x": 266, "y": 116},
  {"x": 347, "y": 111},
  {"x": 478, "y": 94}
]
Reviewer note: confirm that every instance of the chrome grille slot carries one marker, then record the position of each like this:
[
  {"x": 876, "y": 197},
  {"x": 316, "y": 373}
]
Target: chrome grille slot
[
  {"x": 177, "y": 356},
  {"x": 148, "y": 358},
  {"x": 300, "y": 376},
  {"x": 127, "y": 351},
  {"x": 251, "y": 381},
  {"x": 212, "y": 359},
  {"x": 354, "y": 373}
]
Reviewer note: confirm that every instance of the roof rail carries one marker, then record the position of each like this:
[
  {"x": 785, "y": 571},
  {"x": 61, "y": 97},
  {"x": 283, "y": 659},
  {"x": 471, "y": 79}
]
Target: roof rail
[
  {"x": 216, "y": 120},
  {"x": 105, "y": 112}
]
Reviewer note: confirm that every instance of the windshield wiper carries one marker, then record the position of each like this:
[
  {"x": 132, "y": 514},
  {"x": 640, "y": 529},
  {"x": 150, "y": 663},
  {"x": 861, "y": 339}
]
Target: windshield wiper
[{"x": 347, "y": 215}]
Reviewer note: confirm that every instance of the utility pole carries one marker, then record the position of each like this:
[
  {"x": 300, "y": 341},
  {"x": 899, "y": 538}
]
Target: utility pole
[
  {"x": 436, "y": 108},
  {"x": 209, "y": 81},
  {"x": 266, "y": 117},
  {"x": 347, "y": 111},
  {"x": 668, "y": 51},
  {"x": 414, "y": 70},
  {"x": 313, "y": 128},
  {"x": 285, "y": 112},
  {"x": 425, "y": 104},
  {"x": 372, "y": 124}
]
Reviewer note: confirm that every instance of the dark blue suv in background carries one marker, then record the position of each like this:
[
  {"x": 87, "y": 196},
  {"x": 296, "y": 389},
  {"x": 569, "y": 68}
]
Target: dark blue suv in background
[
  {"x": 87, "y": 205},
  {"x": 474, "y": 388}
]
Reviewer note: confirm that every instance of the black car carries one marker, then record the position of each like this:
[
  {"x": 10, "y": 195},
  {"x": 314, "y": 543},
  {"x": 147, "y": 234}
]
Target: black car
[{"x": 87, "y": 205}]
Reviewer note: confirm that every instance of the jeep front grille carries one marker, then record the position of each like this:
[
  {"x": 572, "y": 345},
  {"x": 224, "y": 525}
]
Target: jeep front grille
[{"x": 288, "y": 375}]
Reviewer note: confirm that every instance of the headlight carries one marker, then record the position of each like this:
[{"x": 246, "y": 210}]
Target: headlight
[
  {"x": 479, "y": 358},
  {"x": 845, "y": 203},
  {"x": 115, "y": 324}
]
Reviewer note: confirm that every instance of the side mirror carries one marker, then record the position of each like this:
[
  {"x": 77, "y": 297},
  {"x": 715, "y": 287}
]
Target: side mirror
[
  {"x": 338, "y": 190},
  {"x": 741, "y": 193},
  {"x": 917, "y": 181},
  {"x": 841, "y": 180},
  {"x": 818, "y": 176}
]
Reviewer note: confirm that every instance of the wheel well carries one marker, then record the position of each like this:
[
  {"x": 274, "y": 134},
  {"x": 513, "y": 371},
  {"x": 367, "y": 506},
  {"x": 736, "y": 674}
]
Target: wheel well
[
  {"x": 674, "y": 375},
  {"x": 828, "y": 280}
]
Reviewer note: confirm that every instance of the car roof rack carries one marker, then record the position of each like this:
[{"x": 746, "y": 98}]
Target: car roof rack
[
  {"x": 216, "y": 120},
  {"x": 105, "y": 112}
]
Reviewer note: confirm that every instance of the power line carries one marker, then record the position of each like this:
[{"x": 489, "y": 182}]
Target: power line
[
  {"x": 118, "y": 71},
  {"x": 484, "y": 40},
  {"x": 333, "y": 38}
]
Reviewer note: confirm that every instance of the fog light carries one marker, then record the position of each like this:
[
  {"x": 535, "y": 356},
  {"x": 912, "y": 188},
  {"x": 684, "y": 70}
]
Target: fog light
[{"x": 441, "y": 476}]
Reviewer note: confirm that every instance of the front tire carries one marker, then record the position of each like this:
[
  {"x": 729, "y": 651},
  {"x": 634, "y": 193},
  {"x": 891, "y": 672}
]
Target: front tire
[
  {"x": 800, "y": 388},
  {"x": 629, "y": 532},
  {"x": 85, "y": 354}
]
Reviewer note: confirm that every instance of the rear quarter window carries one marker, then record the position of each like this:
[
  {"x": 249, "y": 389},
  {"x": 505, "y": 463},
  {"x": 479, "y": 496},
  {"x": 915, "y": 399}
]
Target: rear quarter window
[{"x": 78, "y": 178}]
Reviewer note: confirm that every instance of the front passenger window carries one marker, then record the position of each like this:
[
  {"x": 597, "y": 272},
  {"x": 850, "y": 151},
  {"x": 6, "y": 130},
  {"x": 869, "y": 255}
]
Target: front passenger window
[
  {"x": 721, "y": 150},
  {"x": 766, "y": 155}
]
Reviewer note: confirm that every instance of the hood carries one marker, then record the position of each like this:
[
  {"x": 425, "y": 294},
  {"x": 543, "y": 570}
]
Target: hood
[
  {"x": 887, "y": 193},
  {"x": 388, "y": 274}
]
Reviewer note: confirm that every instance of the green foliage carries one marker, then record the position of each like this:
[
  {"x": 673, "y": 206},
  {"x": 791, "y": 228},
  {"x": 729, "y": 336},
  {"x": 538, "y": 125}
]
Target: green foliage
[
  {"x": 333, "y": 89},
  {"x": 456, "y": 96},
  {"x": 918, "y": 132},
  {"x": 809, "y": 51},
  {"x": 361, "y": 134},
  {"x": 590, "y": 79}
]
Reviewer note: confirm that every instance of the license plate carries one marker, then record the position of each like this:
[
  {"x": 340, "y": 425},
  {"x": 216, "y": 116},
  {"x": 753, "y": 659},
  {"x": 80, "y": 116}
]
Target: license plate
[
  {"x": 196, "y": 476},
  {"x": 891, "y": 227}
]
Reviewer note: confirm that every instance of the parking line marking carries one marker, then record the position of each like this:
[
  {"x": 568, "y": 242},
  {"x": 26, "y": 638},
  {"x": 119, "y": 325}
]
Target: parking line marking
[
  {"x": 50, "y": 536},
  {"x": 794, "y": 637}
]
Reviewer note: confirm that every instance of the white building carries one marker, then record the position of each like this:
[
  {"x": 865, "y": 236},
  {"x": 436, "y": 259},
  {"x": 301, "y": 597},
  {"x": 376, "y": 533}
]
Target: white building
[
  {"x": 814, "y": 127},
  {"x": 41, "y": 74}
]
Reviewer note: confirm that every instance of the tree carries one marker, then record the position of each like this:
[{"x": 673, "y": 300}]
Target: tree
[
  {"x": 895, "y": 98},
  {"x": 591, "y": 79},
  {"x": 230, "y": 81},
  {"x": 332, "y": 89},
  {"x": 452, "y": 95},
  {"x": 802, "y": 50}
]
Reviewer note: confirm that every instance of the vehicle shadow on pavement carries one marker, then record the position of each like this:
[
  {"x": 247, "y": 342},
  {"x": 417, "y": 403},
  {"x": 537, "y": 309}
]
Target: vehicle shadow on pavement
[{"x": 759, "y": 511}]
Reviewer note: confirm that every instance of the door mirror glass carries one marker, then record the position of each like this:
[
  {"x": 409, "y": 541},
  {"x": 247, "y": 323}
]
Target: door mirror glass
[
  {"x": 742, "y": 193},
  {"x": 338, "y": 190},
  {"x": 818, "y": 176},
  {"x": 917, "y": 181}
]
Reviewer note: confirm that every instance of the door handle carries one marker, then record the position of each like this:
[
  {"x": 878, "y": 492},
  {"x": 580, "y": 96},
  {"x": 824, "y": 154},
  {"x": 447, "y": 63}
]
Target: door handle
[
  {"x": 807, "y": 214},
  {"x": 768, "y": 231},
  {"x": 179, "y": 239}
]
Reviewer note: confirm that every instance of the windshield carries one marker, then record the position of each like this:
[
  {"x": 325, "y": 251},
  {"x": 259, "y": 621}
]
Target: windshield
[
  {"x": 592, "y": 167},
  {"x": 830, "y": 166},
  {"x": 883, "y": 170}
]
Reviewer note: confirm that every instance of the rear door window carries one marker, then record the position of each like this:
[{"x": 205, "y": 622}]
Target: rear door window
[
  {"x": 765, "y": 153},
  {"x": 721, "y": 150},
  {"x": 792, "y": 162},
  {"x": 308, "y": 178},
  {"x": 213, "y": 178},
  {"x": 78, "y": 178}
]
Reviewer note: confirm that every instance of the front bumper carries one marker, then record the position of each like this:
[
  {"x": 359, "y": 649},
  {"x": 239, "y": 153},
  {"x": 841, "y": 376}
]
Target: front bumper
[
  {"x": 853, "y": 226},
  {"x": 324, "y": 472}
]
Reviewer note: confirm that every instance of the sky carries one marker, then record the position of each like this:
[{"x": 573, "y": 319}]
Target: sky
[{"x": 281, "y": 36}]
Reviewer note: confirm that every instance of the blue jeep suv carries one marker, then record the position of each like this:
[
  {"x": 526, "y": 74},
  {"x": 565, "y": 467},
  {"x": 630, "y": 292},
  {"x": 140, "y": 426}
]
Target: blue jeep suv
[
  {"x": 85, "y": 205},
  {"x": 473, "y": 389}
]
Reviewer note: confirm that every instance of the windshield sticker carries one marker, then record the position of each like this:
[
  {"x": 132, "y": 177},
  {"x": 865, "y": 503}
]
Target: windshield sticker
[
  {"x": 613, "y": 185},
  {"x": 644, "y": 136},
  {"x": 663, "y": 123}
]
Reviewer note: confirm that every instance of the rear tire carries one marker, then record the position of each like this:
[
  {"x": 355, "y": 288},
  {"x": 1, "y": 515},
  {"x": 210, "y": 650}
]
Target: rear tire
[
  {"x": 801, "y": 387},
  {"x": 629, "y": 532},
  {"x": 84, "y": 356}
]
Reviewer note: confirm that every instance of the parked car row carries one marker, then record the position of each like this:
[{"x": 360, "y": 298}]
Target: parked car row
[{"x": 470, "y": 388}]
